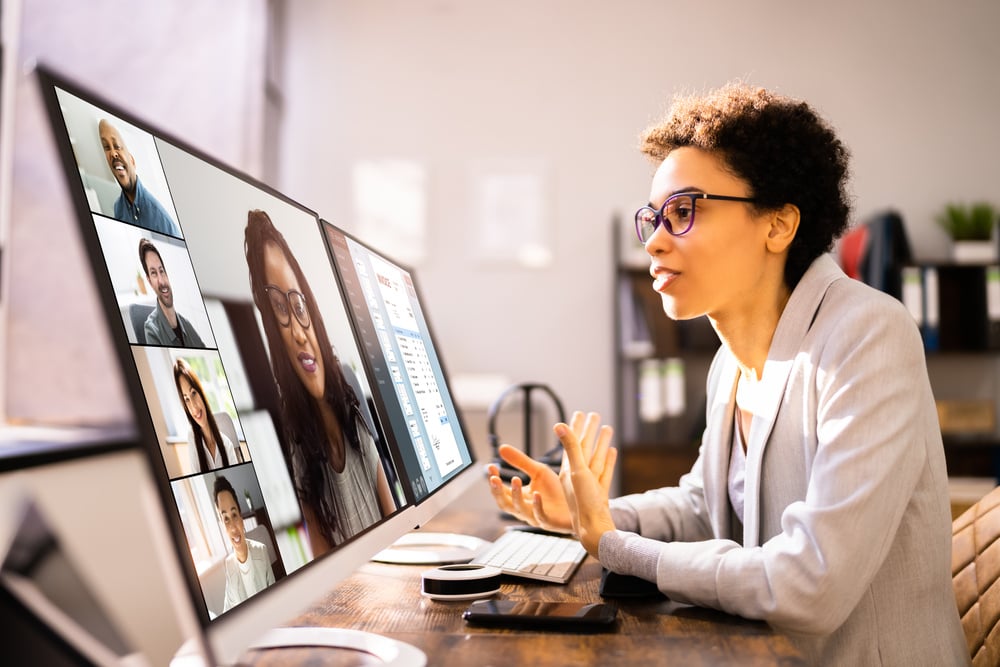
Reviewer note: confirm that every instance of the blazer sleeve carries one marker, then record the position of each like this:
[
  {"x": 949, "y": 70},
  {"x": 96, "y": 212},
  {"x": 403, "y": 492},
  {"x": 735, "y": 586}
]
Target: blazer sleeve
[{"x": 668, "y": 514}]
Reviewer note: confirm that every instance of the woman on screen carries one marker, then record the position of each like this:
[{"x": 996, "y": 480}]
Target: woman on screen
[
  {"x": 248, "y": 568},
  {"x": 335, "y": 465},
  {"x": 210, "y": 449}
]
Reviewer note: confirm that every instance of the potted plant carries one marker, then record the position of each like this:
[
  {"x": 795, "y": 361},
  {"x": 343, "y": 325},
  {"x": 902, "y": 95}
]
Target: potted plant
[{"x": 971, "y": 230}]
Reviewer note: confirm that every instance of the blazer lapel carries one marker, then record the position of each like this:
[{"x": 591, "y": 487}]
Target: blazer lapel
[{"x": 792, "y": 328}]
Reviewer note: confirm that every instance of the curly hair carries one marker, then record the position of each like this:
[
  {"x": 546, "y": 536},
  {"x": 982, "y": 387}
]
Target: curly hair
[
  {"x": 781, "y": 147},
  {"x": 223, "y": 485}
]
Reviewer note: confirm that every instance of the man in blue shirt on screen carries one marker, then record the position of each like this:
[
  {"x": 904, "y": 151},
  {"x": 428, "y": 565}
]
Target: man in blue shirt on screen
[{"x": 135, "y": 204}]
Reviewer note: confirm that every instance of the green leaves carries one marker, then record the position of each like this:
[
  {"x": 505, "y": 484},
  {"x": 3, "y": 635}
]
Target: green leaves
[{"x": 964, "y": 222}]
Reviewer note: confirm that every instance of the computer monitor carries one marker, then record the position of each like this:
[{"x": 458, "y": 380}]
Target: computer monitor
[{"x": 284, "y": 377}]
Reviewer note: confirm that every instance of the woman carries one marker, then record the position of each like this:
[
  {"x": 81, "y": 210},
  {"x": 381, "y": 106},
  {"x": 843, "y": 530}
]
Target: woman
[
  {"x": 819, "y": 500},
  {"x": 210, "y": 449},
  {"x": 335, "y": 466},
  {"x": 248, "y": 568}
]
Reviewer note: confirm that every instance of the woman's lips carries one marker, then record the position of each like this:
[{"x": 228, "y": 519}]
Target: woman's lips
[
  {"x": 663, "y": 279},
  {"x": 308, "y": 362}
]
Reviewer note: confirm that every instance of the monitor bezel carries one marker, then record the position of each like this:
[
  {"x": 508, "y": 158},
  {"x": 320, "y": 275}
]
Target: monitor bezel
[{"x": 224, "y": 638}]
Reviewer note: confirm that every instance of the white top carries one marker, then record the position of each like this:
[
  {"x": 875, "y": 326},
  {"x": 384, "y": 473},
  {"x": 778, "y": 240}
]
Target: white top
[
  {"x": 213, "y": 461},
  {"x": 747, "y": 398},
  {"x": 737, "y": 470},
  {"x": 246, "y": 574},
  {"x": 354, "y": 491}
]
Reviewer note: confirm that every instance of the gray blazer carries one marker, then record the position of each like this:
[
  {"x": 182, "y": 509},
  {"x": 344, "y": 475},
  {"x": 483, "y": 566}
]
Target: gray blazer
[{"x": 846, "y": 540}]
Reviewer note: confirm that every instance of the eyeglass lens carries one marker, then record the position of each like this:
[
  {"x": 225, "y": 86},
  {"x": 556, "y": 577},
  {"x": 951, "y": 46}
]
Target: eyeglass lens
[
  {"x": 677, "y": 214},
  {"x": 285, "y": 304}
]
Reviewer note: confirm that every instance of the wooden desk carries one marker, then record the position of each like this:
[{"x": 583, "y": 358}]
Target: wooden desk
[{"x": 386, "y": 599}]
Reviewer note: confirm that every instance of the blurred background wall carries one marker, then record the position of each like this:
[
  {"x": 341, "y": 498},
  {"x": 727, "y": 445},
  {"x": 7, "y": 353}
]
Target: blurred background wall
[{"x": 479, "y": 93}]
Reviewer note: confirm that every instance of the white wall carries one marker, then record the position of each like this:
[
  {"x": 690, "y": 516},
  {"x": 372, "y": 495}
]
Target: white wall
[
  {"x": 911, "y": 85},
  {"x": 194, "y": 69}
]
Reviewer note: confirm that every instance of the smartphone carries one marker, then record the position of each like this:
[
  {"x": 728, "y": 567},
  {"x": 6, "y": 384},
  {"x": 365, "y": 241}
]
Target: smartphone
[{"x": 542, "y": 615}]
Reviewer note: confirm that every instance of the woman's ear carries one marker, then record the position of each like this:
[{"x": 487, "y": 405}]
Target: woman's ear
[{"x": 784, "y": 225}]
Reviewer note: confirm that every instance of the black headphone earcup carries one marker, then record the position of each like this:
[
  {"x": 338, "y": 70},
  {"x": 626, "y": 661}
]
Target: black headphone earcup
[{"x": 552, "y": 458}]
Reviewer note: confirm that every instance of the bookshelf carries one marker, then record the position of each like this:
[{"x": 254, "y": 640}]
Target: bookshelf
[
  {"x": 660, "y": 369},
  {"x": 958, "y": 309}
]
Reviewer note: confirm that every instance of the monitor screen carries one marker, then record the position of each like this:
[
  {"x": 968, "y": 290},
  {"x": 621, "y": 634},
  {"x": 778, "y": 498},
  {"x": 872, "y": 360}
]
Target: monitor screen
[
  {"x": 394, "y": 335},
  {"x": 294, "y": 404}
]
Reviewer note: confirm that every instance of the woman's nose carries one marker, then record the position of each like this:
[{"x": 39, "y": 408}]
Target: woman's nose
[
  {"x": 660, "y": 241},
  {"x": 298, "y": 332}
]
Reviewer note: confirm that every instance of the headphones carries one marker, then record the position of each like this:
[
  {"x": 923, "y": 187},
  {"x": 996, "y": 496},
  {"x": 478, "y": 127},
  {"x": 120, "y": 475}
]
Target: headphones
[{"x": 552, "y": 457}]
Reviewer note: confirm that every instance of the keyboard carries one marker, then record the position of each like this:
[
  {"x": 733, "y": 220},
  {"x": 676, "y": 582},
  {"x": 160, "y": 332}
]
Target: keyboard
[{"x": 542, "y": 556}]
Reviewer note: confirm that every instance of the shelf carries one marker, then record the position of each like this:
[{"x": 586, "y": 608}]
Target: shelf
[
  {"x": 645, "y": 466},
  {"x": 957, "y": 306},
  {"x": 655, "y": 453},
  {"x": 973, "y": 461}
]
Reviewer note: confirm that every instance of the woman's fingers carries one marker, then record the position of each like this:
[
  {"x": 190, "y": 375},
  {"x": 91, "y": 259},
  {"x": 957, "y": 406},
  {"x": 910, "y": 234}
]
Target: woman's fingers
[
  {"x": 587, "y": 440},
  {"x": 501, "y": 495},
  {"x": 571, "y": 447},
  {"x": 598, "y": 459},
  {"x": 517, "y": 498},
  {"x": 538, "y": 507},
  {"x": 520, "y": 460},
  {"x": 589, "y": 433},
  {"x": 609, "y": 469}
]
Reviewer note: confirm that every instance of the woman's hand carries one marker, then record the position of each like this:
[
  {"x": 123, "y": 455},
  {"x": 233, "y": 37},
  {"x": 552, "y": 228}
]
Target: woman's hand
[
  {"x": 587, "y": 468},
  {"x": 541, "y": 502}
]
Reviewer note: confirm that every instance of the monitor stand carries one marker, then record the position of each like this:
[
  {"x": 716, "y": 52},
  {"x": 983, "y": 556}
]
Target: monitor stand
[
  {"x": 420, "y": 548},
  {"x": 387, "y": 651},
  {"x": 390, "y": 651}
]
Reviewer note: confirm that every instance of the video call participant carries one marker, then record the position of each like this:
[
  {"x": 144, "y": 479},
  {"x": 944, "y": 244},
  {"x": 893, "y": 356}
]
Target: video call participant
[
  {"x": 248, "y": 567},
  {"x": 135, "y": 204},
  {"x": 819, "y": 499},
  {"x": 336, "y": 469},
  {"x": 211, "y": 448},
  {"x": 164, "y": 326}
]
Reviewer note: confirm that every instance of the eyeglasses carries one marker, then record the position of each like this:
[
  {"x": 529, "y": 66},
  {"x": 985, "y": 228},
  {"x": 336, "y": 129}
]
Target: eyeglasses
[
  {"x": 284, "y": 304},
  {"x": 676, "y": 215}
]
